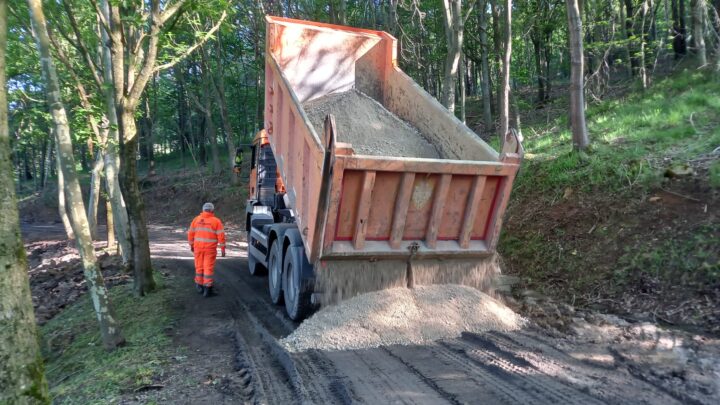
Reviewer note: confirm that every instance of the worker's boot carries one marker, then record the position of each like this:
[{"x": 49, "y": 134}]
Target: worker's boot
[
  {"x": 199, "y": 288},
  {"x": 208, "y": 292}
]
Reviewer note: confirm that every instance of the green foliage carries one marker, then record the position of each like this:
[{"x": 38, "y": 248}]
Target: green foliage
[
  {"x": 676, "y": 118},
  {"x": 80, "y": 371}
]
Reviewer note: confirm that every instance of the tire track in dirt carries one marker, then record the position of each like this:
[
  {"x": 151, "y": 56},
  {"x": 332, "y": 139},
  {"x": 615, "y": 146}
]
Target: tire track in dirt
[
  {"x": 520, "y": 373},
  {"x": 610, "y": 384},
  {"x": 270, "y": 382},
  {"x": 381, "y": 378},
  {"x": 310, "y": 378},
  {"x": 457, "y": 378}
]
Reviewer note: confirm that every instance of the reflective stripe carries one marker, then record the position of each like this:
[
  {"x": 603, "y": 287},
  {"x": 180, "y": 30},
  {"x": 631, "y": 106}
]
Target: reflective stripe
[
  {"x": 208, "y": 277},
  {"x": 221, "y": 244},
  {"x": 202, "y": 228},
  {"x": 206, "y": 240}
]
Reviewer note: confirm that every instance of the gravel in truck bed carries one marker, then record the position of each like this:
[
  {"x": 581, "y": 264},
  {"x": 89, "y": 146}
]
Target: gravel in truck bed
[
  {"x": 403, "y": 316},
  {"x": 369, "y": 127}
]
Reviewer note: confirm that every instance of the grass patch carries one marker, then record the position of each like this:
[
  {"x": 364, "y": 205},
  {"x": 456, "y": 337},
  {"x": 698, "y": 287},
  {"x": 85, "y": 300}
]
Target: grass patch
[
  {"x": 80, "y": 371},
  {"x": 679, "y": 117},
  {"x": 690, "y": 259},
  {"x": 715, "y": 174}
]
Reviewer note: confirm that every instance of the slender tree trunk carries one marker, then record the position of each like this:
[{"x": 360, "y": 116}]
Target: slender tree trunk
[
  {"x": 140, "y": 244},
  {"x": 577, "y": 98},
  {"x": 210, "y": 131},
  {"x": 112, "y": 162},
  {"x": 643, "y": 44},
  {"x": 62, "y": 201},
  {"x": 94, "y": 197},
  {"x": 505, "y": 90},
  {"x": 463, "y": 90},
  {"x": 22, "y": 374},
  {"x": 142, "y": 266},
  {"x": 535, "y": 37},
  {"x": 219, "y": 86},
  {"x": 678, "y": 28},
  {"x": 110, "y": 226},
  {"x": 453, "y": 20},
  {"x": 497, "y": 46},
  {"x": 149, "y": 141},
  {"x": 48, "y": 160},
  {"x": 109, "y": 328},
  {"x": 485, "y": 66},
  {"x": 699, "y": 20}
]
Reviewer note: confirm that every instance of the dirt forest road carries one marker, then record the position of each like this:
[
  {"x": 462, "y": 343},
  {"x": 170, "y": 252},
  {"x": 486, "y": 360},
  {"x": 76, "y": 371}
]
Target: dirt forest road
[
  {"x": 233, "y": 354},
  {"x": 235, "y": 334}
]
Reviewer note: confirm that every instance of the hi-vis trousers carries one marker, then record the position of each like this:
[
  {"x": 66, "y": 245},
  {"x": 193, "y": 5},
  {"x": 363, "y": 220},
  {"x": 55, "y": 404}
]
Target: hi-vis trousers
[{"x": 205, "y": 267}]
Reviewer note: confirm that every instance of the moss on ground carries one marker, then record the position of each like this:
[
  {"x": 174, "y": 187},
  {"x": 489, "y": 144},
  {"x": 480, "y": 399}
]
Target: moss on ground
[{"x": 80, "y": 371}]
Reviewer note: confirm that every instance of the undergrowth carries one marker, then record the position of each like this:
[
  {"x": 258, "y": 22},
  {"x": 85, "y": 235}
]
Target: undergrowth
[
  {"x": 633, "y": 139},
  {"x": 80, "y": 371}
]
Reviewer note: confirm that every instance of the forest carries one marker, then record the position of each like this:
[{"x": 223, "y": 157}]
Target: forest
[{"x": 613, "y": 98}]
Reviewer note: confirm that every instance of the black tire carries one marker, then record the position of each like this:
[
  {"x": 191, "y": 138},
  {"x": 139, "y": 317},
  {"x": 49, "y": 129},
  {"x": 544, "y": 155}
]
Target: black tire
[
  {"x": 275, "y": 265},
  {"x": 255, "y": 268},
  {"x": 296, "y": 291}
]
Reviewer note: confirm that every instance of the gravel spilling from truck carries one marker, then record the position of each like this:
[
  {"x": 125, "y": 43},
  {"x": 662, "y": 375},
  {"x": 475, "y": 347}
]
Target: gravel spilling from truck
[
  {"x": 369, "y": 127},
  {"x": 402, "y": 316}
]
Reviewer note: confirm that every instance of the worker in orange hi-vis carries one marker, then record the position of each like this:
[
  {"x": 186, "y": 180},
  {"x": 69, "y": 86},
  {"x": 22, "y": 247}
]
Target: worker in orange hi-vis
[{"x": 206, "y": 235}]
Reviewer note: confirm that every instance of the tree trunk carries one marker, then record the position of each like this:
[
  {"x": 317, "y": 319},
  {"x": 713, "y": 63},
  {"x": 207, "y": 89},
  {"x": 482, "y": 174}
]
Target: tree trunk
[
  {"x": 453, "y": 20},
  {"x": 699, "y": 20},
  {"x": 48, "y": 161},
  {"x": 112, "y": 162},
  {"x": 485, "y": 68},
  {"x": 149, "y": 141},
  {"x": 62, "y": 201},
  {"x": 110, "y": 227},
  {"x": 126, "y": 105},
  {"x": 94, "y": 197},
  {"x": 463, "y": 90},
  {"x": 497, "y": 46},
  {"x": 109, "y": 328},
  {"x": 577, "y": 99},
  {"x": 643, "y": 42},
  {"x": 22, "y": 375},
  {"x": 678, "y": 28},
  {"x": 219, "y": 86},
  {"x": 210, "y": 131},
  {"x": 631, "y": 38},
  {"x": 505, "y": 90},
  {"x": 142, "y": 266}
]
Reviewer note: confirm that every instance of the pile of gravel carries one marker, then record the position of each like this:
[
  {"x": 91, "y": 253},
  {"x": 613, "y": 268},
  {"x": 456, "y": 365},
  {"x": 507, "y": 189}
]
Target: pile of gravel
[
  {"x": 368, "y": 126},
  {"x": 402, "y": 316}
]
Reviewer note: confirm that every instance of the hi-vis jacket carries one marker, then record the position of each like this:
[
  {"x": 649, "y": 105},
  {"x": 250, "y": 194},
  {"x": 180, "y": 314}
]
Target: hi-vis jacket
[{"x": 206, "y": 233}]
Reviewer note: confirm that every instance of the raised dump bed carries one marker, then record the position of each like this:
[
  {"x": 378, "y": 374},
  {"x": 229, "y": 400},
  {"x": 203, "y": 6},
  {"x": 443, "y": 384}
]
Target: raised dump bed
[{"x": 393, "y": 179}]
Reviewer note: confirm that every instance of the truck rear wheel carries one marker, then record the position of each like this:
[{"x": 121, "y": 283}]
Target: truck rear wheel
[
  {"x": 275, "y": 263},
  {"x": 296, "y": 292}
]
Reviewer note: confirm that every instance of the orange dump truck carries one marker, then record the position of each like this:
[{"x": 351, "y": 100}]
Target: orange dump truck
[{"x": 328, "y": 219}]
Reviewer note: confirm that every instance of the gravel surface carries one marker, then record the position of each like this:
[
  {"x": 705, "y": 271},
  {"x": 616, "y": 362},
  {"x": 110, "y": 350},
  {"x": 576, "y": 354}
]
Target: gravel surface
[
  {"x": 368, "y": 126},
  {"x": 403, "y": 316}
]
